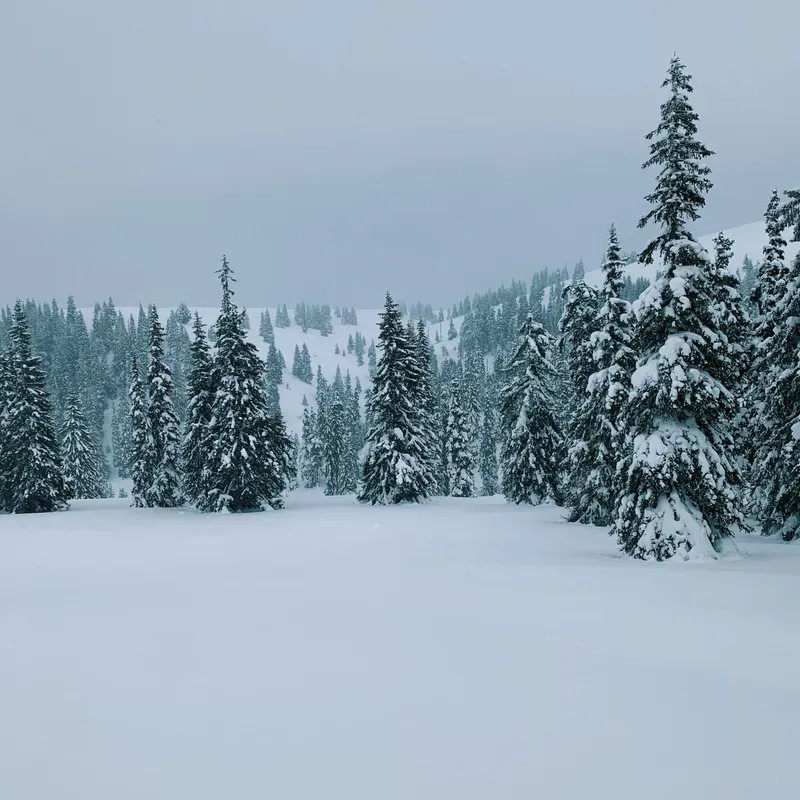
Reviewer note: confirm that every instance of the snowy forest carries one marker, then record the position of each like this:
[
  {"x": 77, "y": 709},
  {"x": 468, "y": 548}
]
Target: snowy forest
[{"x": 665, "y": 409}]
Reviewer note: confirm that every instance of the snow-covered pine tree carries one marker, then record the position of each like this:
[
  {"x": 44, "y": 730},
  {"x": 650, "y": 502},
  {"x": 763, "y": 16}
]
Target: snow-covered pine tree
[
  {"x": 142, "y": 449},
  {"x": 334, "y": 441},
  {"x": 6, "y": 465},
  {"x": 577, "y": 324},
  {"x": 452, "y": 333},
  {"x": 297, "y": 363},
  {"x": 82, "y": 459},
  {"x": 197, "y": 447},
  {"x": 772, "y": 275},
  {"x": 265, "y": 328},
  {"x": 33, "y": 466},
  {"x": 354, "y": 435},
  {"x": 273, "y": 378},
  {"x": 594, "y": 448},
  {"x": 790, "y": 212},
  {"x": 679, "y": 493},
  {"x": 165, "y": 489},
  {"x": 395, "y": 468},
  {"x": 487, "y": 457},
  {"x": 246, "y": 470},
  {"x": 311, "y": 453},
  {"x": 531, "y": 440},
  {"x": 458, "y": 446},
  {"x": 775, "y": 474},
  {"x": 282, "y": 317},
  {"x": 121, "y": 435},
  {"x": 423, "y": 398}
]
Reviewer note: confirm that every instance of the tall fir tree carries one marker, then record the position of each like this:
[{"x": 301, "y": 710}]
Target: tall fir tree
[
  {"x": 679, "y": 486},
  {"x": 197, "y": 446},
  {"x": 265, "y": 328},
  {"x": 311, "y": 452},
  {"x": 594, "y": 448},
  {"x": 776, "y": 462},
  {"x": 334, "y": 443},
  {"x": 165, "y": 489},
  {"x": 81, "y": 455},
  {"x": 142, "y": 450},
  {"x": 458, "y": 447},
  {"x": 487, "y": 457},
  {"x": 395, "y": 468},
  {"x": 33, "y": 468},
  {"x": 247, "y": 465},
  {"x": 532, "y": 442}
]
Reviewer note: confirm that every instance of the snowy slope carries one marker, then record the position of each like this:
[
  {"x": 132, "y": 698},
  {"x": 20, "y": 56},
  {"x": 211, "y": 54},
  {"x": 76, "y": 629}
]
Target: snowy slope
[
  {"x": 321, "y": 348},
  {"x": 462, "y": 649},
  {"x": 748, "y": 240}
]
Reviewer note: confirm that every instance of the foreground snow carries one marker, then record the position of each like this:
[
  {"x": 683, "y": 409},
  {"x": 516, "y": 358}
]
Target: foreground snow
[{"x": 464, "y": 649}]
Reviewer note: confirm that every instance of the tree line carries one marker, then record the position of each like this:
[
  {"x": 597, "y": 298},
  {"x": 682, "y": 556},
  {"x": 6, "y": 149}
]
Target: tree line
[{"x": 668, "y": 411}]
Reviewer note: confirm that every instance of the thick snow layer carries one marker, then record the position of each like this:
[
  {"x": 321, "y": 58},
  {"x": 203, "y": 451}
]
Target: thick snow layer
[{"x": 462, "y": 649}]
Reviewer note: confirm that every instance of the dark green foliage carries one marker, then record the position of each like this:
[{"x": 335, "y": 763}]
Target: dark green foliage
[{"x": 531, "y": 439}]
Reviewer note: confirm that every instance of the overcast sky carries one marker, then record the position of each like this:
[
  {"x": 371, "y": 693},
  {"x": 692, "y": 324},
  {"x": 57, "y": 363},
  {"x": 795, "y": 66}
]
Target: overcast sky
[{"x": 335, "y": 150}]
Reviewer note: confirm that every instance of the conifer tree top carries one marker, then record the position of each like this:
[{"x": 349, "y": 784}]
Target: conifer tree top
[{"x": 683, "y": 180}]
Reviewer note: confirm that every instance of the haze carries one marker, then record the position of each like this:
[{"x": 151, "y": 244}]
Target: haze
[{"x": 336, "y": 150}]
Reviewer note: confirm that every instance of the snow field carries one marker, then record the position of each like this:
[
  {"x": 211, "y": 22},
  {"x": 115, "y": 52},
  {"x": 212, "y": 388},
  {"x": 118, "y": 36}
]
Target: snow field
[{"x": 458, "y": 649}]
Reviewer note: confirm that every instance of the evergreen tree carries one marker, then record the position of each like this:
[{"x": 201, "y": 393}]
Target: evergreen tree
[
  {"x": 297, "y": 363},
  {"x": 372, "y": 358},
  {"x": 282, "y": 317},
  {"x": 531, "y": 439},
  {"x": 395, "y": 468},
  {"x": 487, "y": 458},
  {"x": 197, "y": 446},
  {"x": 452, "y": 333},
  {"x": 678, "y": 496},
  {"x": 307, "y": 374},
  {"x": 594, "y": 450},
  {"x": 265, "y": 328},
  {"x": 334, "y": 443},
  {"x": 82, "y": 458},
  {"x": 460, "y": 462},
  {"x": 772, "y": 276},
  {"x": 142, "y": 449},
  {"x": 121, "y": 435},
  {"x": 248, "y": 462},
  {"x": 311, "y": 458},
  {"x": 165, "y": 489},
  {"x": 777, "y": 452},
  {"x": 33, "y": 467}
]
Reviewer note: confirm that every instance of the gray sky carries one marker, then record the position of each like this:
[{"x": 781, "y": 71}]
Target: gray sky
[{"x": 336, "y": 150}]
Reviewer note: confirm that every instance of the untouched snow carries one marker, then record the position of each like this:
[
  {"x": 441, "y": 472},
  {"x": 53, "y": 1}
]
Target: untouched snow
[{"x": 462, "y": 649}]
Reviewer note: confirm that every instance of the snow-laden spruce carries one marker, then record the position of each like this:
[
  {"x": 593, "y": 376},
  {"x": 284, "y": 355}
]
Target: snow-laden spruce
[
  {"x": 165, "y": 487},
  {"x": 776, "y": 463},
  {"x": 397, "y": 465},
  {"x": 458, "y": 446},
  {"x": 197, "y": 445},
  {"x": 531, "y": 440},
  {"x": 250, "y": 452},
  {"x": 81, "y": 456},
  {"x": 333, "y": 437},
  {"x": 594, "y": 448},
  {"x": 679, "y": 493},
  {"x": 487, "y": 456},
  {"x": 142, "y": 466},
  {"x": 32, "y": 468},
  {"x": 772, "y": 276}
]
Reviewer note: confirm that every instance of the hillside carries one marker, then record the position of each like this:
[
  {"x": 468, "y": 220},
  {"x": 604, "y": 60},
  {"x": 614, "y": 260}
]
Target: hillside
[
  {"x": 322, "y": 350},
  {"x": 748, "y": 240}
]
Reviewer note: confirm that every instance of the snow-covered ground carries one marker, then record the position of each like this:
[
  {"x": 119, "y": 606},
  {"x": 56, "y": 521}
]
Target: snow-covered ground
[{"x": 461, "y": 649}]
